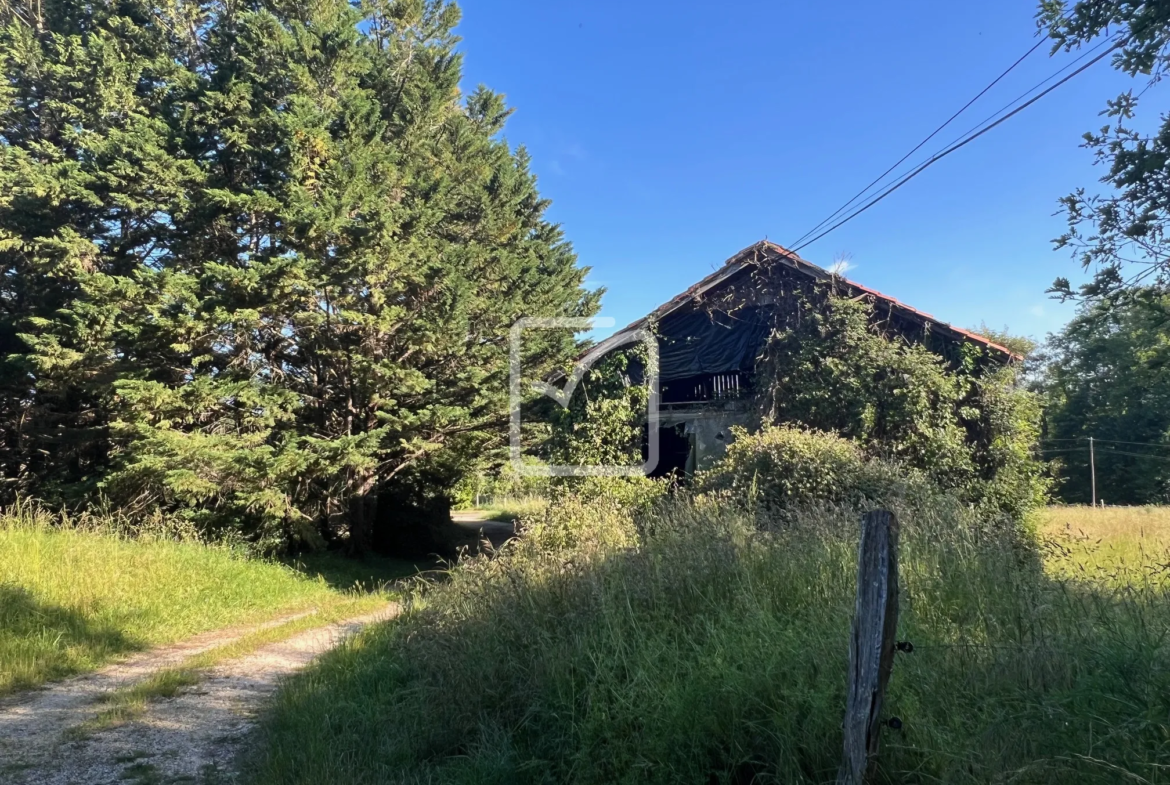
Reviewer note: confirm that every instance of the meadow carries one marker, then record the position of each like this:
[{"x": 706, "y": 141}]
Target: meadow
[
  {"x": 77, "y": 594},
  {"x": 1102, "y": 538},
  {"x": 705, "y": 643}
]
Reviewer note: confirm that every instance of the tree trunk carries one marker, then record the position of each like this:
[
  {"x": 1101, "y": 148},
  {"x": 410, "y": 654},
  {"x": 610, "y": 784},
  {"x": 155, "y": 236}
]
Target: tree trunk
[{"x": 363, "y": 511}]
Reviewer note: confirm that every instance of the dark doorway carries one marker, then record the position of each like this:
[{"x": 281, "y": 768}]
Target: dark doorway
[{"x": 674, "y": 448}]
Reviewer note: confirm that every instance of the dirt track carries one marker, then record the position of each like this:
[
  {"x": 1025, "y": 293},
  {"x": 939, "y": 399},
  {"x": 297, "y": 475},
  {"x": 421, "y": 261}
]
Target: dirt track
[{"x": 192, "y": 738}]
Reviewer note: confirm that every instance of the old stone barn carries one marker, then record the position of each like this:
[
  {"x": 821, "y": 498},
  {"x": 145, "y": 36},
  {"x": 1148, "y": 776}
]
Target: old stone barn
[{"x": 712, "y": 337}]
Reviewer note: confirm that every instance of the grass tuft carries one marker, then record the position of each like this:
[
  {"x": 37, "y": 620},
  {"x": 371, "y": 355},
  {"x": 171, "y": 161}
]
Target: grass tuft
[{"x": 514, "y": 508}]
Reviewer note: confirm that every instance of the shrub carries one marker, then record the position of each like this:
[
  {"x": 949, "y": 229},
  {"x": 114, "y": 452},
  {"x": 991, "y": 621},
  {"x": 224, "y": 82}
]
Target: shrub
[
  {"x": 489, "y": 485},
  {"x": 781, "y": 467},
  {"x": 950, "y": 412},
  {"x": 595, "y": 514}
]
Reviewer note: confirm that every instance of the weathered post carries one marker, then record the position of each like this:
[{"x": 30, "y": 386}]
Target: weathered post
[{"x": 871, "y": 645}]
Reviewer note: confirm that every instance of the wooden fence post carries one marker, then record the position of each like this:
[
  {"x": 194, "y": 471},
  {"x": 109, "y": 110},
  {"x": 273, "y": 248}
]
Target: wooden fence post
[{"x": 871, "y": 645}]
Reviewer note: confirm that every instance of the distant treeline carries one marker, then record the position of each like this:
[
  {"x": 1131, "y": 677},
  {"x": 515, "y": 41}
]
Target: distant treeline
[{"x": 1106, "y": 375}]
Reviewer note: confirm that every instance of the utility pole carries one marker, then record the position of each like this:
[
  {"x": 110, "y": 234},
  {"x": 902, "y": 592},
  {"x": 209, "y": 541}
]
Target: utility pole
[{"x": 1093, "y": 470}]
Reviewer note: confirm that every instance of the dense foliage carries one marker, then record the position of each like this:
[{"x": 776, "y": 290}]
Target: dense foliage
[
  {"x": 782, "y": 469},
  {"x": 1108, "y": 376},
  {"x": 965, "y": 422},
  {"x": 258, "y": 262},
  {"x": 1122, "y": 235},
  {"x": 847, "y": 393},
  {"x": 604, "y": 421}
]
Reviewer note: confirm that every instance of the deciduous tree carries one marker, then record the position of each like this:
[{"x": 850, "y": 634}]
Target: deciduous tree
[
  {"x": 1108, "y": 376},
  {"x": 1121, "y": 235}
]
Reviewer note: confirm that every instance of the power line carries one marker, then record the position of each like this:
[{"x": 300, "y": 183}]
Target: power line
[
  {"x": 1144, "y": 444},
  {"x": 938, "y": 156},
  {"x": 1107, "y": 451},
  {"x": 1034, "y": 87},
  {"x": 918, "y": 147},
  {"x": 1114, "y": 451},
  {"x": 1110, "y": 441}
]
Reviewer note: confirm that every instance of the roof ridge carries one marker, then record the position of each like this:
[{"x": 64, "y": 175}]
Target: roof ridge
[
  {"x": 893, "y": 300},
  {"x": 776, "y": 252}
]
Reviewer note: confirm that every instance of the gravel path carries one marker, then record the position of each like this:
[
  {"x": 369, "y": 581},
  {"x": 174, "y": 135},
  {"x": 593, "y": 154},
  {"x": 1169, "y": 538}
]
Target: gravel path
[{"x": 192, "y": 738}]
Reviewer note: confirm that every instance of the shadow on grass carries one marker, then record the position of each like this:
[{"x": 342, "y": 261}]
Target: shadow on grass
[
  {"x": 369, "y": 573},
  {"x": 705, "y": 659},
  {"x": 41, "y": 641},
  {"x": 496, "y": 531}
]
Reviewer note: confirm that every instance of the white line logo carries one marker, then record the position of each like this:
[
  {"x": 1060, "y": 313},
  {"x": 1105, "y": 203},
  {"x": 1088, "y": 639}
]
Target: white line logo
[{"x": 564, "y": 395}]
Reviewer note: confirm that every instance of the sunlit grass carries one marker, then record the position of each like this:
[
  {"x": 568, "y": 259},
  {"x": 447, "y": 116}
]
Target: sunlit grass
[
  {"x": 513, "y": 508},
  {"x": 1111, "y": 524},
  {"x": 1109, "y": 543},
  {"x": 72, "y": 599}
]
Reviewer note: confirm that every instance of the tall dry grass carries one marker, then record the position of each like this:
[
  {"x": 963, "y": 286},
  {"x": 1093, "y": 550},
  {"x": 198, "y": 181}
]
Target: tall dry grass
[
  {"x": 1105, "y": 544},
  {"x": 1148, "y": 524},
  {"x": 702, "y": 643}
]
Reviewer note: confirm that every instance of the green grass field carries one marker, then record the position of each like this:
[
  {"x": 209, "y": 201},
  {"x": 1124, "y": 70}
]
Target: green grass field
[
  {"x": 512, "y": 508},
  {"x": 73, "y": 599},
  {"x": 1105, "y": 539},
  {"x": 716, "y": 652}
]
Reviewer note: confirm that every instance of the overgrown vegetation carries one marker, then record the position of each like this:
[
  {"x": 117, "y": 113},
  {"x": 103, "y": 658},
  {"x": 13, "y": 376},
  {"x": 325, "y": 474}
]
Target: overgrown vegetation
[
  {"x": 76, "y": 594},
  {"x": 948, "y": 413},
  {"x": 701, "y": 641},
  {"x": 783, "y": 469},
  {"x": 258, "y": 262},
  {"x": 964, "y": 421},
  {"x": 605, "y": 419}
]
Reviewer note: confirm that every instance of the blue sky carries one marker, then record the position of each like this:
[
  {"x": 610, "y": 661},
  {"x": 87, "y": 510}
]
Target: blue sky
[{"x": 671, "y": 135}]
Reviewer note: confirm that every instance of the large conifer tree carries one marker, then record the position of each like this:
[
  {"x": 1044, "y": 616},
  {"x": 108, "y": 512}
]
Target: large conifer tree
[{"x": 258, "y": 259}]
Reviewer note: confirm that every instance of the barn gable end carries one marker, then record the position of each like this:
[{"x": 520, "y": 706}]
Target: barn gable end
[{"x": 711, "y": 335}]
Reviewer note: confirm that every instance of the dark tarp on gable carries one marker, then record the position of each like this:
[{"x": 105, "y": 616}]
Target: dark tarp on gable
[{"x": 698, "y": 342}]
